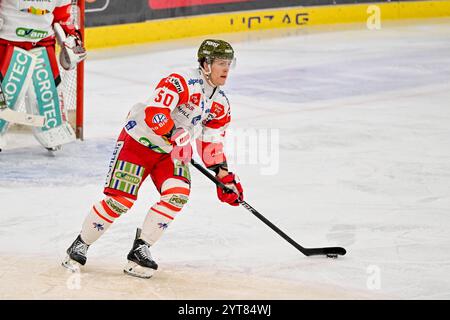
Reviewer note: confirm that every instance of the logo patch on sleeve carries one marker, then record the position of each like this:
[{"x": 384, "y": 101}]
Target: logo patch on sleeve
[
  {"x": 131, "y": 124},
  {"x": 217, "y": 109},
  {"x": 195, "y": 99},
  {"x": 176, "y": 82}
]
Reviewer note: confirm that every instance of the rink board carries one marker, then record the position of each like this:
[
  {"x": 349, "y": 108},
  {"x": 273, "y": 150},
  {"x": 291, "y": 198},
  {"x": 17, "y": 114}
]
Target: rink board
[{"x": 297, "y": 17}]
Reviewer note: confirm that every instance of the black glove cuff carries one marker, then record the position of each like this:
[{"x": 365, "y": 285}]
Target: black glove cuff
[{"x": 216, "y": 167}]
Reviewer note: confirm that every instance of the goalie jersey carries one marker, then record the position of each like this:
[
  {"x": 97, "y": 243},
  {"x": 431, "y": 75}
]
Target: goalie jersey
[
  {"x": 32, "y": 20},
  {"x": 183, "y": 100}
]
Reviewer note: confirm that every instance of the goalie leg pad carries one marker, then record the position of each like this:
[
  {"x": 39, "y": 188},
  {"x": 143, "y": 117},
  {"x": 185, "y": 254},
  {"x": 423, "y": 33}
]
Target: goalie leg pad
[
  {"x": 46, "y": 99},
  {"x": 16, "y": 69}
]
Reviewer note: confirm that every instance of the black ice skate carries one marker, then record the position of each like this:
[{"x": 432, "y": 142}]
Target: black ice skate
[
  {"x": 76, "y": 255},
  {"x": 140, "y": 262},
  {"x": 54, "y": 149}
]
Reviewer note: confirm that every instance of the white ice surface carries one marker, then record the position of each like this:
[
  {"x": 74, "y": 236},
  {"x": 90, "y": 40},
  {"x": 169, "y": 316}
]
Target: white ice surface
[{"x": 364, "y": 162}]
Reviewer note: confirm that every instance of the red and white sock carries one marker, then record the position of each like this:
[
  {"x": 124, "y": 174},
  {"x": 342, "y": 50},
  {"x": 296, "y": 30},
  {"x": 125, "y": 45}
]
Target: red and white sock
[
  {"x": 102, "y": 216},
  {"x": 174, "y": 195}
]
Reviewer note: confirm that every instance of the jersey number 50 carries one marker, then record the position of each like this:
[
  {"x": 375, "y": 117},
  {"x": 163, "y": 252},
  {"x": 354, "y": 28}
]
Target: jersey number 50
[{"x": 165, "y": 97}]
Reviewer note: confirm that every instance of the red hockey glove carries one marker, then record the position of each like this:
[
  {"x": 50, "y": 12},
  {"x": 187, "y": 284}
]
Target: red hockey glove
[
  {"x": 182, "y": 150},
  {"x": 232, "y": 182},
  {"x": 72, "y": 49}
]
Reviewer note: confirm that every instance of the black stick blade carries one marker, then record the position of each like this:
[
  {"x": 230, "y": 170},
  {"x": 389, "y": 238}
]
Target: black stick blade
[{"x": 324, "y": 251}]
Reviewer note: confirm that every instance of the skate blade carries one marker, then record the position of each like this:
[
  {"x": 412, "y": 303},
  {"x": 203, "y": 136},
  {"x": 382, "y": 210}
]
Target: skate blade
[
  {"x": 70, "y": 264},
  {"x": 54, "y": 149},
  {"x": 135, "y": 270}
]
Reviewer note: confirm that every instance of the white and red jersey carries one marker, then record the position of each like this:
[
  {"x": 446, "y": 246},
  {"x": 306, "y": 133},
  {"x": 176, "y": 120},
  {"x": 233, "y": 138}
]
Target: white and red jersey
[
  {"x": 32, "y": 20},
  {"x": 183, "y": 100}
]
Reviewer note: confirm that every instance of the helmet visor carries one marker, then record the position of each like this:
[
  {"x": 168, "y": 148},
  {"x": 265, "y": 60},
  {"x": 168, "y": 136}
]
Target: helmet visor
[{"x": 231, "y": 63}]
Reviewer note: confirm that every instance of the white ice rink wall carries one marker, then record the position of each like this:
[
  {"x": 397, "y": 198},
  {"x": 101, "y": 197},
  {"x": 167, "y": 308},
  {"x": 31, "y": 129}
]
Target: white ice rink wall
[{"x": 190, "y": 20}]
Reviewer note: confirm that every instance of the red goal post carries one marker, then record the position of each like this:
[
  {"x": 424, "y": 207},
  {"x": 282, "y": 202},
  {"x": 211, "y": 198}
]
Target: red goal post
[{"x": 76, "y": 81}]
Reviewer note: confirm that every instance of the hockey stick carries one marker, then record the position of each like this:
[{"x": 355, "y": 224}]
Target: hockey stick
[
  {"x": 331, "y": 252},
  {"x": 10, "y": 115}
]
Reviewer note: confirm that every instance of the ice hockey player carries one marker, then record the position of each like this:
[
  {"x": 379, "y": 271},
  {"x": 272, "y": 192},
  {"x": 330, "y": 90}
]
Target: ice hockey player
[
  {"x": 156, "y": 142},
  {"x": 28, "y": 64}
]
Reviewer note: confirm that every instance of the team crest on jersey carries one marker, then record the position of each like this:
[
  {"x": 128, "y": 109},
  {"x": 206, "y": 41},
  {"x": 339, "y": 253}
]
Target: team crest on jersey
[
  {"x": 159, "y": 118},
  {"x": 195, "y": 99}
]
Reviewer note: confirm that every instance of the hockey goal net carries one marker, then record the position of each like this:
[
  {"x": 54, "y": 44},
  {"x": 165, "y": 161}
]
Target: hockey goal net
[{"x": 71, "y": 82}]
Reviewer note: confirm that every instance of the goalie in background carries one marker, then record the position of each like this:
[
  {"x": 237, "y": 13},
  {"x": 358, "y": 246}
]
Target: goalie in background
[
  {"x": 156, "y": 142},
  {"x": 28, "y": 64}
]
